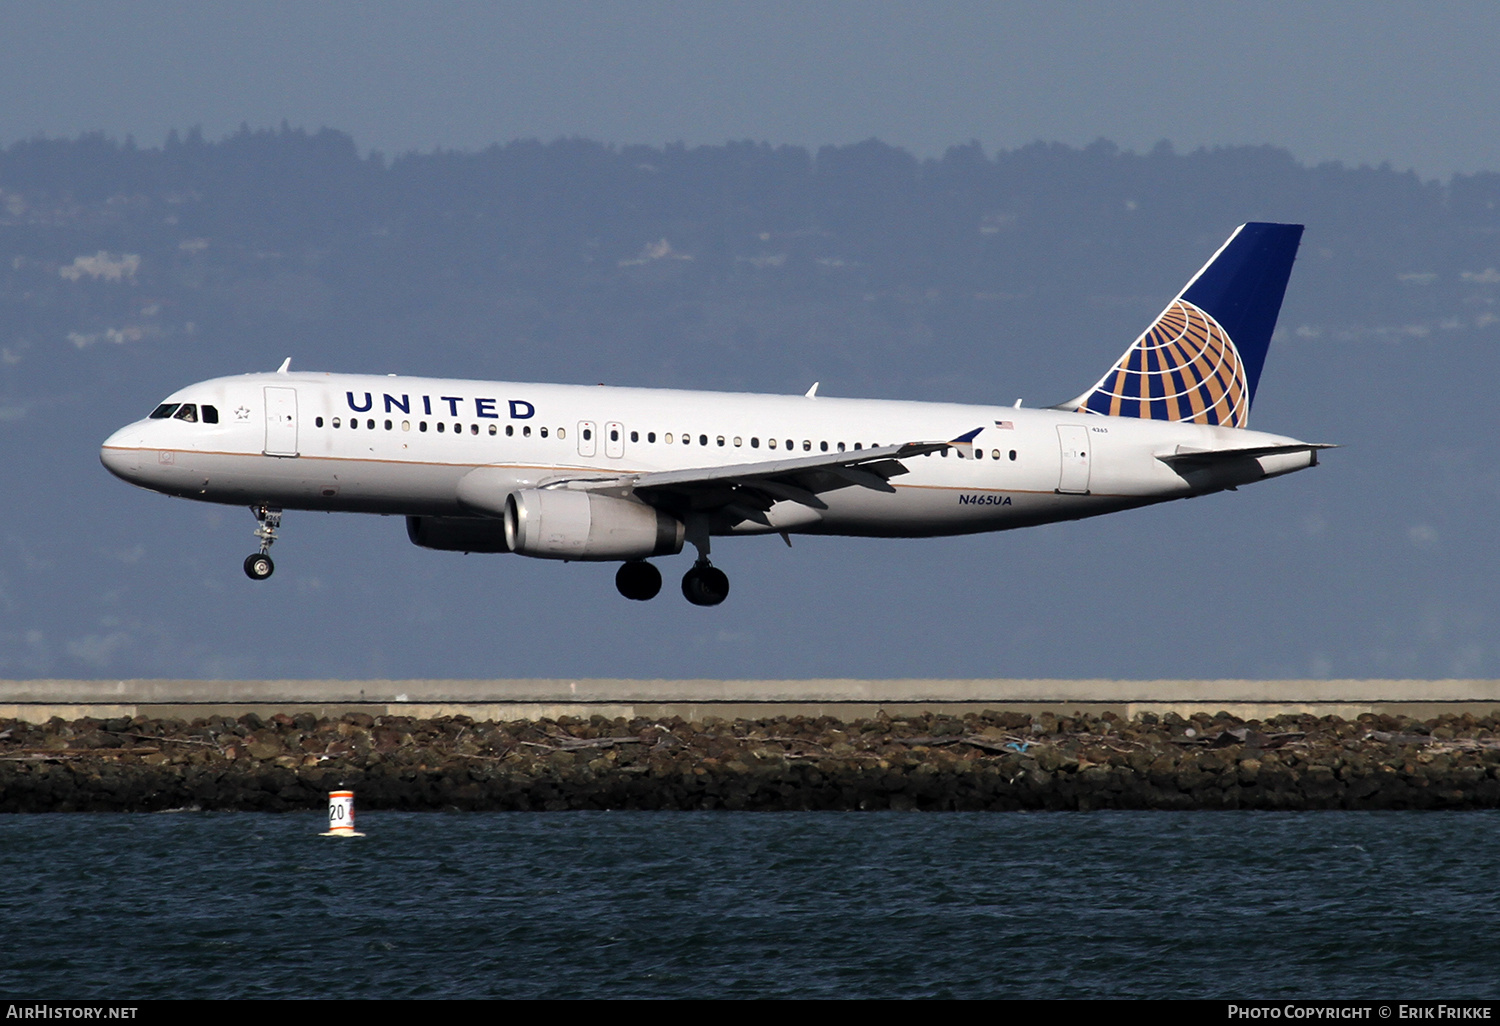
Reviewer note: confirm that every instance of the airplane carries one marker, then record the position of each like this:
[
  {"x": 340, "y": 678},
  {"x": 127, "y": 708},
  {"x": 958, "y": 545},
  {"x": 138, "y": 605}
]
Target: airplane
[{"x": 574, "y": 472}]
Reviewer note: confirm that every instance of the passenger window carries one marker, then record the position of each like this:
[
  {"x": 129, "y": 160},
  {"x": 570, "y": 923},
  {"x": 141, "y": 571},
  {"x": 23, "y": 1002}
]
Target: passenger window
[
  {"x": 737, "y": 441},
  {"x": 806, "y": 445},
  {"x": 790, "y": 444},
  {"x": 387, "y": 425},
  {"x": 526, "y": 431},
  {"x": 687, "y": 440},
  {"x": 441, "y": 427},
  {"x": 979, "y": 454},
  {"x": 370, "y": 423},
  {"x": 588, "y": 433},
  {"x": 337, "y": 422},
  {"x": 721, "y": 441},
  {"x": 493, "y": 430},
  {"x": 458, "y": 429},
  {"x": 210, "y": 414},
  {"x": 668, "y": 437},
  {"x": 1012, "y": 454},
  {"x": 420, "y": 427},
  {"x": 703, "y": 440},
  {"x": 473, "y": 429},
  {"x": 163, "y": 411},
  {"x": 857, "y": 445},
  {"x": 754, "y": 442},
  {"x": 318, "y": 421},
  {"x": 823, "y": 446},
  {"x": 542, "y": 432},
  {"x": 187, "y": 412},
  {"x": 651, "y": 436},
  {"x": 614, "y": 434},
  {"x": 510, "y": 430},
  {"x": 562, "y": 432},
  {"x": 770, "y": 443},
  {"x": 841, "y": 447},
  {"x": 406, "y": 425}
]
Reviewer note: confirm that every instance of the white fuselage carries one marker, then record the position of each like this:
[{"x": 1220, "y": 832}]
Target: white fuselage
[{"x": 401, "y": 445}]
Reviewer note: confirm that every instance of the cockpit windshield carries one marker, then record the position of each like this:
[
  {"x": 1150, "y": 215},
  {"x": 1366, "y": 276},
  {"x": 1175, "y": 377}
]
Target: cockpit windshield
[{"x": 190, "y": 412}]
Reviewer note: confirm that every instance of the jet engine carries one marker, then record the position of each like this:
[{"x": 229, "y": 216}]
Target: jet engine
[
  {"x": 457, "y": 534},
  {"x": 559, "y": 523}
]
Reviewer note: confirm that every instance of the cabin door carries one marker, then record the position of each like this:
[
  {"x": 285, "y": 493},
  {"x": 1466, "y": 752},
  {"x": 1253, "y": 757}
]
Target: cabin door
[
  {"x": 281, "y": 421},
  {"x": 1073, "y": 441}
]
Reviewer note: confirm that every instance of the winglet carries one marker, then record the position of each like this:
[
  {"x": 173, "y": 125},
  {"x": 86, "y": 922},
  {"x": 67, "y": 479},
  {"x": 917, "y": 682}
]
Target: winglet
[
  {"x": 284, "y": 365},
  {"x": 964, "y": 443},
  {"x": 812, "y": 393}
]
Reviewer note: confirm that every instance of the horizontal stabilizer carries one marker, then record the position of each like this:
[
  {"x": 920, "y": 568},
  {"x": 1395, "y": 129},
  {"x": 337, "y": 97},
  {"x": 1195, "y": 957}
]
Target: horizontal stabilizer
[{"x": 1194, "y": 459}]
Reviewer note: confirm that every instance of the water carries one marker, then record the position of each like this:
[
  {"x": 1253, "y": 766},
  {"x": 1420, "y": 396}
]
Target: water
[{"x": 649, "y": 904}]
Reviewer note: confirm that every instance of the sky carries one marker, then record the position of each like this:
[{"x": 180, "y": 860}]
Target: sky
[
  {"x": 1409, "y": 83},
  {"x": 1397, "y": 583}
]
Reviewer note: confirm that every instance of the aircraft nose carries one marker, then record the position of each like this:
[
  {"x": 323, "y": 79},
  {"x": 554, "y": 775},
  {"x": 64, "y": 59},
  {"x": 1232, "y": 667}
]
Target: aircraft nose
[{"x": 120, "y": 453}]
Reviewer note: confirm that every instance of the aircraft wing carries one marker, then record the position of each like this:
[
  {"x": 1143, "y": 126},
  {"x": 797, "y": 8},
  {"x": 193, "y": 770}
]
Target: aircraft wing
[{"x": 761, "y": 485}]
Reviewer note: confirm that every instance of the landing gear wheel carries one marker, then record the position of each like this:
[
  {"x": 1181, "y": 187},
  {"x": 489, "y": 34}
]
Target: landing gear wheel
[
  {"x": 258, "y": 566},
  {"x": 638, "y": 580},
  {"x": 705, "y": 585}
]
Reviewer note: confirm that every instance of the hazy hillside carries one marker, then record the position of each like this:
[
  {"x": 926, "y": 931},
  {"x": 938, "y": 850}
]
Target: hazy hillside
[{"x": 126, "y": 272}]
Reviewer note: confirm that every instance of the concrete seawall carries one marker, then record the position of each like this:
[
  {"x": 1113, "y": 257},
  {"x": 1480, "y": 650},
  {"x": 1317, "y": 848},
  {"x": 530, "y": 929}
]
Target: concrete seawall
[
  {"x": 37, "y": 701},
  {"x": 936, "y": 761}
]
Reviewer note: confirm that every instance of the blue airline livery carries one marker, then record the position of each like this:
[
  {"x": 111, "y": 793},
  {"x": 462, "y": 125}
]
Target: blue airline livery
[{"x": 573, "y": 472}]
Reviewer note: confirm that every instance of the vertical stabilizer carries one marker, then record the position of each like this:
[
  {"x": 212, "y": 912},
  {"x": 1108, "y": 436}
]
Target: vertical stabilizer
[{"x": 1200, "y": 361}]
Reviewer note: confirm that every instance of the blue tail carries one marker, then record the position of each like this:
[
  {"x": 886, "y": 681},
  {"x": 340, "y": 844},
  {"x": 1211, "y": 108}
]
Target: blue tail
[{"x": 1200, "y": 361}]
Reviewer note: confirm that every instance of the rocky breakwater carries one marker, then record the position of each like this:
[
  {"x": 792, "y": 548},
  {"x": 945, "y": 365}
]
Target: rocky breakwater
[{"x": 997, "y": 761}]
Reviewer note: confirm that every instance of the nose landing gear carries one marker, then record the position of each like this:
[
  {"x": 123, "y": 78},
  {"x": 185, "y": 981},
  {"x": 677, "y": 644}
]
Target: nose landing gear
[{"x": 258, "y": 565}]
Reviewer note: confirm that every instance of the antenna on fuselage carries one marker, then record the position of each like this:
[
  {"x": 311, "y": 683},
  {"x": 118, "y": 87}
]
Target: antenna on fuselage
[{"x": 284, "y": 365}]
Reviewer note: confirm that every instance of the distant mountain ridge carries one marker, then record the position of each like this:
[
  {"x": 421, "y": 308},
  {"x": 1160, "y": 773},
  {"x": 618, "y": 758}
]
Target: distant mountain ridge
[{"x": 126, "y": 272}]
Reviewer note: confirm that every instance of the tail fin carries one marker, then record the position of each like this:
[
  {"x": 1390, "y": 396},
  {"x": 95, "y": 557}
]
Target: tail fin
[{"x": 1200, "y": 361}]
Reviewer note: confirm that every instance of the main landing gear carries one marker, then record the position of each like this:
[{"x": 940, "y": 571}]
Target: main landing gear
[
  {"x": 703, "y": 585},
  {"x": 638, "y": 580},
  {"x": 258, "y": 565}
]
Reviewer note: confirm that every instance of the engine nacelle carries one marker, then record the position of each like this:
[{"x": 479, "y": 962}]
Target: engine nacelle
[
  {"x": 558, "y": 523},
  {"x": 457, "y": 534}
]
